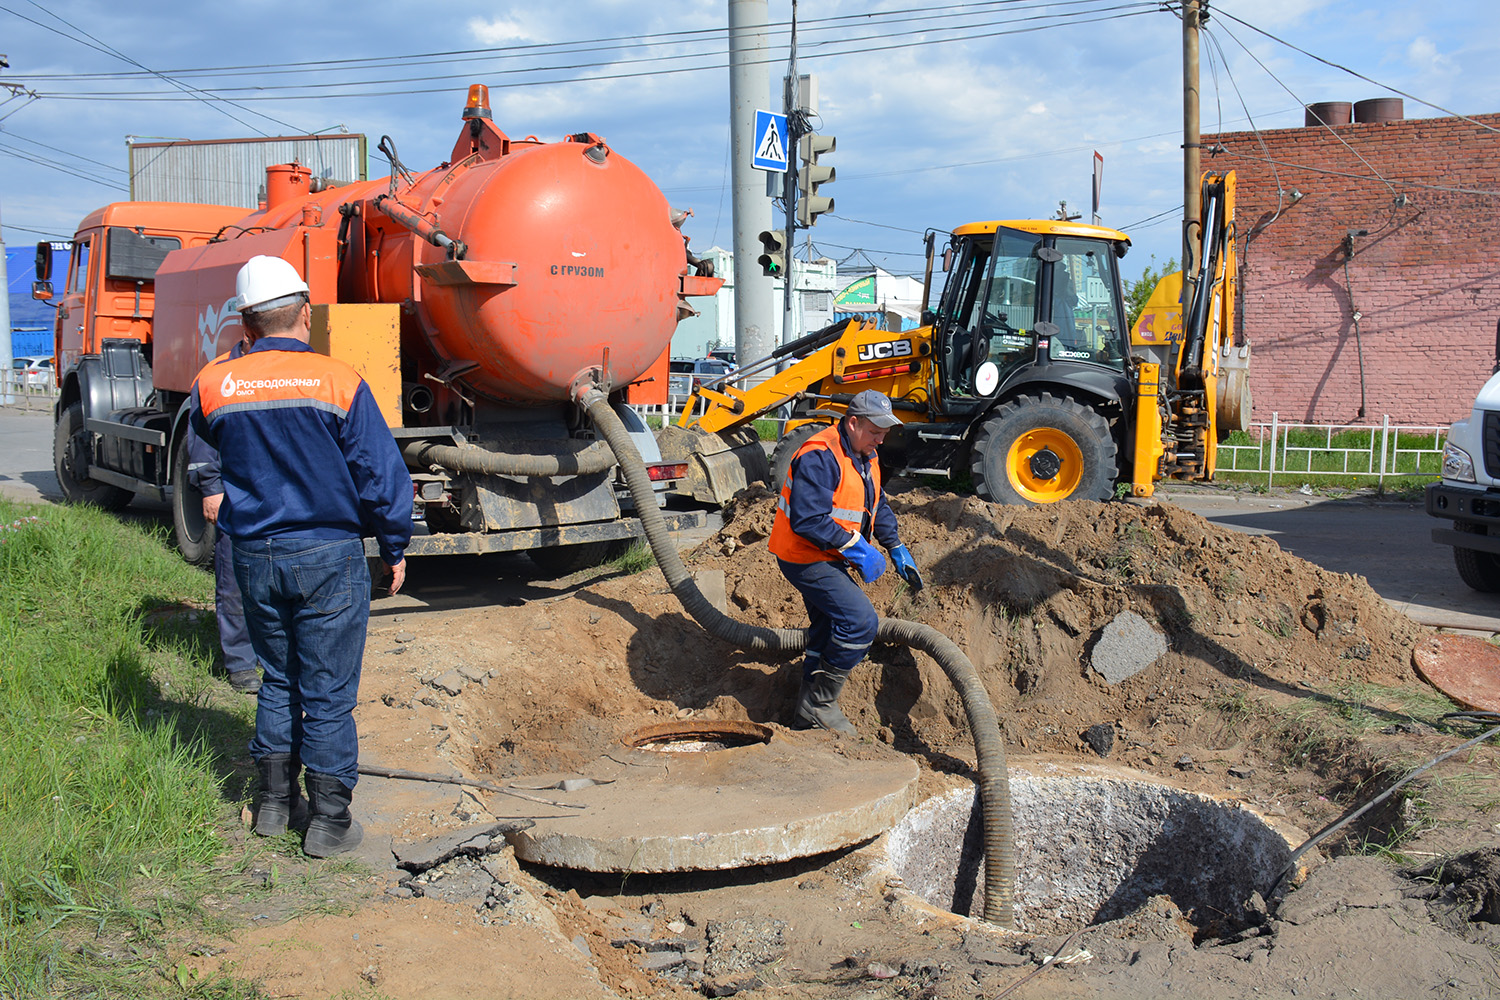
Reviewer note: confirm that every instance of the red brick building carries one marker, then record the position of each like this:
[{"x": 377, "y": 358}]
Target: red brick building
[{"x": 1423, "y": 277}]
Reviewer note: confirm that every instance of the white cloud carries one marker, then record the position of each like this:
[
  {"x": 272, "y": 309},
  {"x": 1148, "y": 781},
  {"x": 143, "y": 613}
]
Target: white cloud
[
  {"x": 1039, "y": 108},
  {"x": 1424, "y": 56},
  {"x": 494, "y": 32}
]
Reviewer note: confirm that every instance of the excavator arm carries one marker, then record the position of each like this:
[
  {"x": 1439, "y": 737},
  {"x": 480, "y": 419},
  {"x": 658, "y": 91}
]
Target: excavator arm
[{"x": 715, "y": 436}]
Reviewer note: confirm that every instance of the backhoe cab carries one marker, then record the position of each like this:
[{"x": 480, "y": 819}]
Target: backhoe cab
[{"x": 1025, "y": 376}]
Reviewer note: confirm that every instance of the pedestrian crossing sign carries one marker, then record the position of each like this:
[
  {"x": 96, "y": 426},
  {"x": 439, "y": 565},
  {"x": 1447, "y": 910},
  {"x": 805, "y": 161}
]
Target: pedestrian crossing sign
[{"x": 770, "y": 142}]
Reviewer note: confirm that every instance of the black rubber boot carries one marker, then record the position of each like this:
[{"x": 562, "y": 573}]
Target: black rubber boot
[
  {"x": 818, "y": 702},
  {"x": 280, "y": 803},
  {"x": 332, "y": 829}
]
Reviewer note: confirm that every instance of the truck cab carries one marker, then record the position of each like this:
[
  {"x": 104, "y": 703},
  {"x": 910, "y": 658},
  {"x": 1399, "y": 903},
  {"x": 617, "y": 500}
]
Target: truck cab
[{"x": 1469, "y": 492}]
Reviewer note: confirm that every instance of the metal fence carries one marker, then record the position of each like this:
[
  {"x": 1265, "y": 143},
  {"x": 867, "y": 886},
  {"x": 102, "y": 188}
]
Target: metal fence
[
  {"x": 1296, "y": 450},
  {"x": 20, "y": 392}
]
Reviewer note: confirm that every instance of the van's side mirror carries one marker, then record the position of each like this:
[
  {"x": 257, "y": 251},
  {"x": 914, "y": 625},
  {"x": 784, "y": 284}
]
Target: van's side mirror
[
  {"x": 43, "y": 265},
  {"x": 41, "y": 291}
]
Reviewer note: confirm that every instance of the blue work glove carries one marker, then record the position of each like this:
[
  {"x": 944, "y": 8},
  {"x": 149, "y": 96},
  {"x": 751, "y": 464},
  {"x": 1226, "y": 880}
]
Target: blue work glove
[
  {"x": 906, "y": 566},
  {"x": 865, "y": 557}
]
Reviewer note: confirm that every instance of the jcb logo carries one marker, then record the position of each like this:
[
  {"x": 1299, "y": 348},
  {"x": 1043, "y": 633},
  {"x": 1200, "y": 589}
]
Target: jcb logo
[{"x": 885, "y": 349}]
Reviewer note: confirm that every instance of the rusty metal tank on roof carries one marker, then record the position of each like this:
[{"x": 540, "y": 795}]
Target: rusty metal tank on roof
[{"x": 1379, "y": 109}]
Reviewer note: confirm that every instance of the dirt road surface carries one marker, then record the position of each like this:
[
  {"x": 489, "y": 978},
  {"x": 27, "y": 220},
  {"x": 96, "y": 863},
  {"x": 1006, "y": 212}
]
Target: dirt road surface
[{"x": 1286, "y": 689}]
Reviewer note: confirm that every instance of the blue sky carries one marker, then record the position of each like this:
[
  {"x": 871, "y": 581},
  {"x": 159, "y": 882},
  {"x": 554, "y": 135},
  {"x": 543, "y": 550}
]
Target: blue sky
[{"x": 944, "y": 112}]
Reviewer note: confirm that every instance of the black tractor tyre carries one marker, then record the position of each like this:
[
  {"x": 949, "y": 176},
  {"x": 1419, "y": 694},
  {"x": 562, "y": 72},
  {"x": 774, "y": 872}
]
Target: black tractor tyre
[
  {"x": 565, "y": 560},
  {"x": 1041, "y": 449},
  {"x": 75, "y": 489},
  {"x": 195, "y": 533},
  {"x": 1480, "y": 570},
  {"x": 787, "y": 448}
]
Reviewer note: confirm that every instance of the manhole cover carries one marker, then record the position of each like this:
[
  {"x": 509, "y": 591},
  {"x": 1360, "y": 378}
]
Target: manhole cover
[
  {"x": 698, "y": 737},
  {"x": 1465, "y": 668}
]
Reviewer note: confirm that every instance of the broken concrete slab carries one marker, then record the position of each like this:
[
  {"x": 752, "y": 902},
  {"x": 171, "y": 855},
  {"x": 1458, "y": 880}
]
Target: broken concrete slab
[
  {"x": 797, "y": 795},
  {"x": 450, "y": 682},
  {"x": 1126, "y": 646},
  {"x": 472, "y": 840}
]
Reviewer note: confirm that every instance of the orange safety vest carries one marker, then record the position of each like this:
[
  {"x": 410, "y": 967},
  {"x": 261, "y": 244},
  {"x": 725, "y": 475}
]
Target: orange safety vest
[{"x": 849, "y": 509}]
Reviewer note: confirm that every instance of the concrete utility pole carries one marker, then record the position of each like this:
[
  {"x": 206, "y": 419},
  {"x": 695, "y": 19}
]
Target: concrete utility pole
[
  {"x": 749, "y": 86},
  {"x": 5, "y": 345},
  {"x": 1192, "y": 207}
]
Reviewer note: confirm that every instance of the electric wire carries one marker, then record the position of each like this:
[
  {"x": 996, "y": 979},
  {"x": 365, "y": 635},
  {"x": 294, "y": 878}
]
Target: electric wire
[
  {"x": 656, "y": 70},
  {"x": 1332, "y": 131},
  {"x": 716, "y": 36},
  {"x": 1275, "y": 173},
  {"x": 1346, "y": 69},
  {"x": 78, "y": 156},
  {"x": 63, "y": 168}
]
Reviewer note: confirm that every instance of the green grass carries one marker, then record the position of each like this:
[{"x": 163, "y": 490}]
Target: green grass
[
  {"x": 114, "y": 776},
  {"x": 636, "y": 559}
]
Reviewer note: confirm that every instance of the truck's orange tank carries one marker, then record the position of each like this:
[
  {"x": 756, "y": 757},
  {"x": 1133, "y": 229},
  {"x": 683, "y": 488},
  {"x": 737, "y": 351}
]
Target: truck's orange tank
[{"x": 569, "y": 262}]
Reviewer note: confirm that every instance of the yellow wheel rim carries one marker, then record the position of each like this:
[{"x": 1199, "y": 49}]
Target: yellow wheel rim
[{"x": 1026, "y": 463}]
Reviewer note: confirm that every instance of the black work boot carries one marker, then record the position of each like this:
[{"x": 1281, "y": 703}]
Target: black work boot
[
  {"x": 332, "y": 829},
  {"x": 280, "y": 803},
  {"x": 818, "y": 702}
]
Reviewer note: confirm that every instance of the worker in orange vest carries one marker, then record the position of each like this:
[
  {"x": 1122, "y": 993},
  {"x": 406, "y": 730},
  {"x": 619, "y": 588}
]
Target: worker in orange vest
[{"x": 831, "y": 506}]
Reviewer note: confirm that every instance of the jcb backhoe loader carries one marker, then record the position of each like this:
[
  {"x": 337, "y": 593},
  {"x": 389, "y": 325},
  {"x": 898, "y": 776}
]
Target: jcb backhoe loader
[{"x": 1025, "y": 376}]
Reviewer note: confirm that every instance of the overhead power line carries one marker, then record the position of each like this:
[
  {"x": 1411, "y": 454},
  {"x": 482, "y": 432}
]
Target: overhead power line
[
  {"x": 353, "y": 89},
  {"x": 1354, "y": 73}
]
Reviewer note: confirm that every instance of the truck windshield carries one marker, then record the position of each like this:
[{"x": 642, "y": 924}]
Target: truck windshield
[
  {"x": 991, "y": 303},
  {"x": 78, "y": 267}
]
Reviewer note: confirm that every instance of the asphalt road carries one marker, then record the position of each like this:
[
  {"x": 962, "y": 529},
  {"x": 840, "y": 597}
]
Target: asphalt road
[{"x": 1387, "y": 542}]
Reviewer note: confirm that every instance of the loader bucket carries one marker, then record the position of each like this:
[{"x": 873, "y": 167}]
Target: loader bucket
[
  {"x": 1234, "y": 390},
  {"x": 719, "y": 465}
]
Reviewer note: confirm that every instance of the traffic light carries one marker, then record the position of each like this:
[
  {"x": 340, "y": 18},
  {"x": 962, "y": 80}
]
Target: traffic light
[
  {"x": 773, "y": 261},
  {"x": 810, "y": 177}
]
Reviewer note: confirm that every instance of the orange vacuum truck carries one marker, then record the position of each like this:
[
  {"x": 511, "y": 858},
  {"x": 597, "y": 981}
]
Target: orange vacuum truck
[{"x": 479, "y": 300}]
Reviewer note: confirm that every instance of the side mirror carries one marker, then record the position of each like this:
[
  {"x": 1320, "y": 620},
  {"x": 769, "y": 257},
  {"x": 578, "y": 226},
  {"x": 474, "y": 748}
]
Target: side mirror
[
  {"x": 43, "y": 264},
  {"x": 947, "y": 259},
  {"x": 41, "y": 291}
]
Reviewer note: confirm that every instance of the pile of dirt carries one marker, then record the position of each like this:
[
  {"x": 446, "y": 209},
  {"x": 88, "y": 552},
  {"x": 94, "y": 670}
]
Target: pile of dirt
[{"x": 1027, "y": 592}]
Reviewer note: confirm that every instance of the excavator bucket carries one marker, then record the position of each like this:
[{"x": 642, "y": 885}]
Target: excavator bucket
[
  {"x": 719, "y": 465},
  {"x": 1234, "y": 389}
]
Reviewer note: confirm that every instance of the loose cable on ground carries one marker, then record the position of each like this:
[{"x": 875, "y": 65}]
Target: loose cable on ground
[{"x": 1348, "y": 818}]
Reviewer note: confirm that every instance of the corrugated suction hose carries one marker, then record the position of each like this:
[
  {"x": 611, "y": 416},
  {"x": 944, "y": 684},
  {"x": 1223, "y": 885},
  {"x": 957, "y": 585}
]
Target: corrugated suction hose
[
  {"x": 589, "y": 459},
  {"x": 994, "y": 783}
]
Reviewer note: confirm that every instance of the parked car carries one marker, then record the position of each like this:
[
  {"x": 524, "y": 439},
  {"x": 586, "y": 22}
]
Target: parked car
[
  {"x": 31, "y": 370},
  {"x": 687, "y": 374},
  {"x": 39, "y": 372}
]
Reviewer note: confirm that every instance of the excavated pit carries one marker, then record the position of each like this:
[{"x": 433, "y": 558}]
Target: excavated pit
[{"x": 1093, "y": 848}]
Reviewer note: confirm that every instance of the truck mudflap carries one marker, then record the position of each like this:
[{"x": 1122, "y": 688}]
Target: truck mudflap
[
  {"x": 474, "y": 543},
  {"x": 1474, "y": 507}
]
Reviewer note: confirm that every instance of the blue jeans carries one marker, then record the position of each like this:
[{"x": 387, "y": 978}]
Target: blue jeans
[
  {"x": 307, "y": 603},
  {"x": 234, "y": 637},
  {"x": 843, "y": 621}
]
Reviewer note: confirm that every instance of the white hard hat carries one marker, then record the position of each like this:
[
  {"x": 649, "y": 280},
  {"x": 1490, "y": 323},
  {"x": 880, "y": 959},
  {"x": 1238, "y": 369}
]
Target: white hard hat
[{"x": 267, "y": 283}]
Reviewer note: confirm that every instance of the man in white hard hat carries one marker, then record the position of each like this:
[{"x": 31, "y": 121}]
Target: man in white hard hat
[
  {"x": 309, "y": 467},
  {"x": 831, "y": 506}
]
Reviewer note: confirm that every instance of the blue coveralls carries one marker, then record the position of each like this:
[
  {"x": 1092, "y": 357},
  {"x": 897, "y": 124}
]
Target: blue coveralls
[{"x": 843, "y": 622}]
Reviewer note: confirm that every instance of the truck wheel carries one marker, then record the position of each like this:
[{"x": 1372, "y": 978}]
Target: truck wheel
[
  {"x": 195, "y": 533},
  {"x": 1480, "y": 570},
  {"x": 70, "y": 444},
  {"x": 564, "y": 560},
  {"x": 786, "y": 448},
  {"x": 1037, "y": 450}
]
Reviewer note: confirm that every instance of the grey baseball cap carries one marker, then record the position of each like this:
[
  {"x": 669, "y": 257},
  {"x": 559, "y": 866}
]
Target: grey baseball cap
[{"x": 874, "y": 407}]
